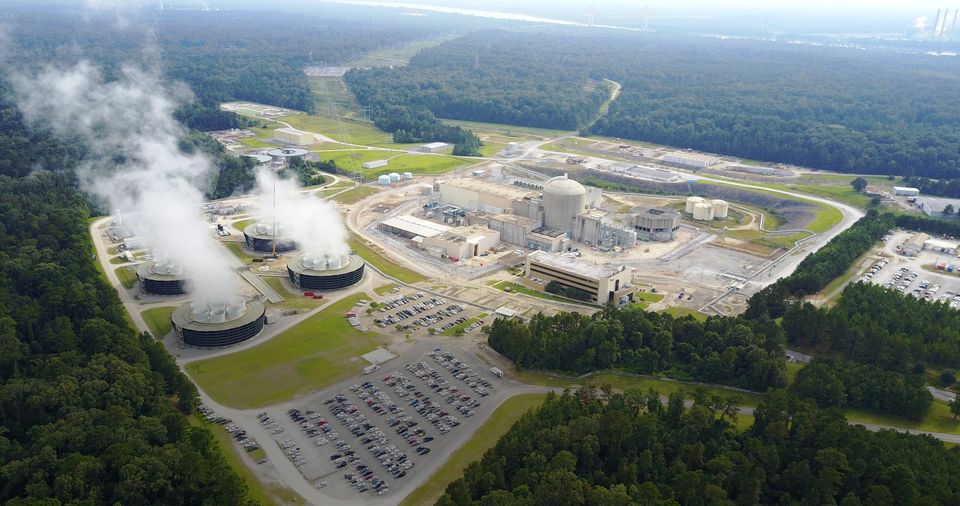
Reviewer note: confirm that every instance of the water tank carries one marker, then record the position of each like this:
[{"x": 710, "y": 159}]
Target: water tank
[
  {"x": 563, "y": 199},
  {"x": 394, "y": 177},
  {"x": 703, "y": 211},
  {"x": 383, "y": 180},
  {"x": 691, "y": 203},
  {"x": 407, "y": 175},
  {"x": 720, "y": 209}
]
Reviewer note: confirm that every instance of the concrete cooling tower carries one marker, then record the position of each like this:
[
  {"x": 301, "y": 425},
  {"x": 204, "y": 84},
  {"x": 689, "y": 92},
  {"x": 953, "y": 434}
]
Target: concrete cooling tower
[
  {"x": 162, "y": 277},
  {"x": 261, "y": 237},
  {"x": 214, "y": 325},
  {"x": 325, "y": 272}
]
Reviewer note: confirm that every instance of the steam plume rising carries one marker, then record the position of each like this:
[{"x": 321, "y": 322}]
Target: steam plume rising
[
  {"x": 134, "y": 162},
  {"x": 313, "y": 223}
]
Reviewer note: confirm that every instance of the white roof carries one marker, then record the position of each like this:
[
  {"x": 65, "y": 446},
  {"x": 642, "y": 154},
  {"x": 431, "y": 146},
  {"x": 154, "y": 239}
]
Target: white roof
[
  {"x": 416, "y": 226},
  {"x": 505, "y": 311},
  {"x": 941, "y": 243},
  {"x": 906, "y": 188},
  {"x": 436, "y": 145},
  {"x": 292, "y": 131},
  {"x": 572, "y": 265}
]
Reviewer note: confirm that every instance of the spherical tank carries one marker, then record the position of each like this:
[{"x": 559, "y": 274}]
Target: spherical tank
[{"x": 563, "y": 199}]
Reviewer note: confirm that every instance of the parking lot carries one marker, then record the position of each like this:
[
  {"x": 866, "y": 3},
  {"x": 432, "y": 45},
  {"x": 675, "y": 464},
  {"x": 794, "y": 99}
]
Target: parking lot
[
  {"x": 915, "y": 276},
  {"x": 418, "y": 312},
  {"x": 377, "y": 436}
]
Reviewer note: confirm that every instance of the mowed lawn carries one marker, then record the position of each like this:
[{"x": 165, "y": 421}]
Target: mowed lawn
[
  {"x": 317, "y": 352},
  {"x": 396, "y": 162},
  {"x": 485, "y": 438},
  {"x": 158, "y": 319}
]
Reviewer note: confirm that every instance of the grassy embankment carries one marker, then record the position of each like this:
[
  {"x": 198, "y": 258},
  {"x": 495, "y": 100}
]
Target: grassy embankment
[
  {"x": 319, "y": 351},
  {"x": 158, "y": 320},
  {"x": 388, "y": 267}
]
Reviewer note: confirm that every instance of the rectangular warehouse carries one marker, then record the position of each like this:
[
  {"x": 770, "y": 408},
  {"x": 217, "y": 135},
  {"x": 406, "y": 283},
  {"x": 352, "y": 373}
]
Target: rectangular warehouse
[
  {"x": 602, "y": 283},
  {"x": 905, "y": 191},
  {"x": 293, "y": 136},
  {"x": 434, "y": 147},
  {"x": 479, "y": 195},
  {"x": 374, "y": 164},
  {"x": 691, "y": 160},
  {"x": 411, "y": 226},
  {"x": 461, "y": 243}
]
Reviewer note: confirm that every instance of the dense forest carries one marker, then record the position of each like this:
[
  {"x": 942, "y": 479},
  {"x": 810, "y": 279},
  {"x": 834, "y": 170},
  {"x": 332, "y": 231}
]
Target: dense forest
[
  {"x": 873, "y": 325},
  {"x": 575, "y": 450},
  {"x": 220, "y": 55},
  {"x": 86, "y": 415},
  {"x": 821, "y": 107},
  {"x": 820, "y": 268},
  {"x": 734, "y": 351},
  {"x": 833, "y": 383}
]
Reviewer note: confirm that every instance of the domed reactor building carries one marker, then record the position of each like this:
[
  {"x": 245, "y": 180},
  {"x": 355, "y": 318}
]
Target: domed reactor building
[
  {"x": 162, "y": 277},
  {"x": 263, "y": 236},
  {"x": 216, "y": 325},
  {"x": 325, "y": 272}
]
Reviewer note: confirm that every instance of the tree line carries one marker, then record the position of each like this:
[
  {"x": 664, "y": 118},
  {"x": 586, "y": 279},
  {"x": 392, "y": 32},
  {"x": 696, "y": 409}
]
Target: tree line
[
  {"x": 86, "y": 409},
  {"x": 634, "y": 449},
  {"x": 733, "y": 351}
]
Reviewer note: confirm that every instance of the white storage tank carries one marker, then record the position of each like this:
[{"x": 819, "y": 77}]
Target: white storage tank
[
  {"x": 426, "y": 189},
  {"x": 720, "y": 209},
  {"x": 394, "y": 177},
  {"x": 407, "y": 175},
  {"x": 691, "y": 203},
  {"x": 383, "y": 180},
  {"x": 703, "y": 211}
]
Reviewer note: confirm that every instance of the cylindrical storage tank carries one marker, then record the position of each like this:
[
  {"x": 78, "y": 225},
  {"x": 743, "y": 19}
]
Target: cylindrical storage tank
[
  {"x": 323, "y": 272},
  {"x": 691, "y": 203},
  {"x": 394, "y": 177},
  {"x": 426, "y": 190},
  {"x": 563, "y": 199},
  {"x": 407, "y": 175},
  {"x": 703, "y": 211},
  {"x": 383, "y": 180},
  {"x": 216, "y": 325},
  {"x": 720, "y": 209}
]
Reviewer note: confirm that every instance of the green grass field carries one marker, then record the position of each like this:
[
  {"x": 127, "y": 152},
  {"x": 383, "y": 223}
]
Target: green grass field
[
  {"x": 127, "y": 277},
  {"x": 355, "y": 195},
  {"x": 291, "y": 300},
  {"x": 317, "y": 352},
  {"x": 389, "y": 268},
  {"x": 452, "y": 331},
  {"x": 501, "y": 420},
  {"x": 511, "y": 287},
  {"x": 679, "y": 312},
  {"x": 385, "y": 289},
  {"x": 158, "y": 319},
  {"x": 242, "y": 224},
  {"x": 513, "y": 132},
  {"x": 938, "y": 419},
  {"x": 644, "y": 299},
  {"x": 238, "y": 249},
  {"x": 398, "y": 162},
  {"x": 352, "y": 132},
  {"x": 256, "y": 490}
]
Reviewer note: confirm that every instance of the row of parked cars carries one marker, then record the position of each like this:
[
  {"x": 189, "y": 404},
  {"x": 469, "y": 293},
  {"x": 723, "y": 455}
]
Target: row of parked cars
[
  {"x": 240, "y": 435},
  {"x": 874, "y": 270},
  {"x": 409, "y": 312},
  {"x": 269, "y": 423},
  {"x": 440, "y": 417},
  {"x": 399, "y": 301},
  {"x": 461, "y": 371}
]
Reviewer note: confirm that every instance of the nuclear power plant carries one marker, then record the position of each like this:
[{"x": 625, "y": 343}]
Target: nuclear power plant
[
  {"x": 162, "y": 277},
  {"x": 215, "y": 325},
  {"x": 267, "y": 238},
  {"x": 325, "y": 272}
]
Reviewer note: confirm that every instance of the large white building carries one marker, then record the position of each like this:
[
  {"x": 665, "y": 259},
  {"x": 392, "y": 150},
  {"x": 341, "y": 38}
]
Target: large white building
[
  {"x": 293, "y": 136},
  {"x": 479, "y": 195},
  {"x": 691, "y": 160},
  {"x": 433, "y": 147},
  {"x": 604, "y": 284},
  {"x": 905, "y": 191}
]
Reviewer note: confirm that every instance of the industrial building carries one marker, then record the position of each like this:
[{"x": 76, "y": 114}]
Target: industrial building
[
  {"x": 267, "y": 238},
  {"x": 596, "y": 228},
  {"x": 655, "y": 223},
  {"x": 602, "y": 283},
  {"x": 433, "y": 147},
  {"x": 753, "y": 169},
  {"x": 411, "y": 226},
  {"x": 325, "y": 272},
  {"x": 479, "y": 195},
  {"x": 460, "y": 243},
  {"x": 282, "y": 156},
  {"x": 547, "y": 239},
  {"x": 563, "y": 200},
  {"x": 162, "y": 277},
  {"x": 941, "y": 246},
  {"x": 906, "y": 191},
  {"x": 513, "y": 229},
  {"x": 935, "y": 207},
  {"x": 374, "y": 164},
  {"x": 293, "y": 136},
  {"x": 690, "y": 160},
  {"x": 215, "y": 325}
]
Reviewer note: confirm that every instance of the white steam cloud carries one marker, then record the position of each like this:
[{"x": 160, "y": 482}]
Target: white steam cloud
[
  {"x": 313, "y": 223},
  {"x": 134, "y": 163}
]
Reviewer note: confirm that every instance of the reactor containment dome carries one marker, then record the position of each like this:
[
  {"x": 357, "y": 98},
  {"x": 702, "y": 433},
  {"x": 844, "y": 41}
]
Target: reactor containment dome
[
  {"x": 325, "y": 272},
  {"x": 215, "y": 325},
  {"x": 262, "y": 236},
  {"x": 162, "y": 277},
  {"x": 563, "y": 199}
]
